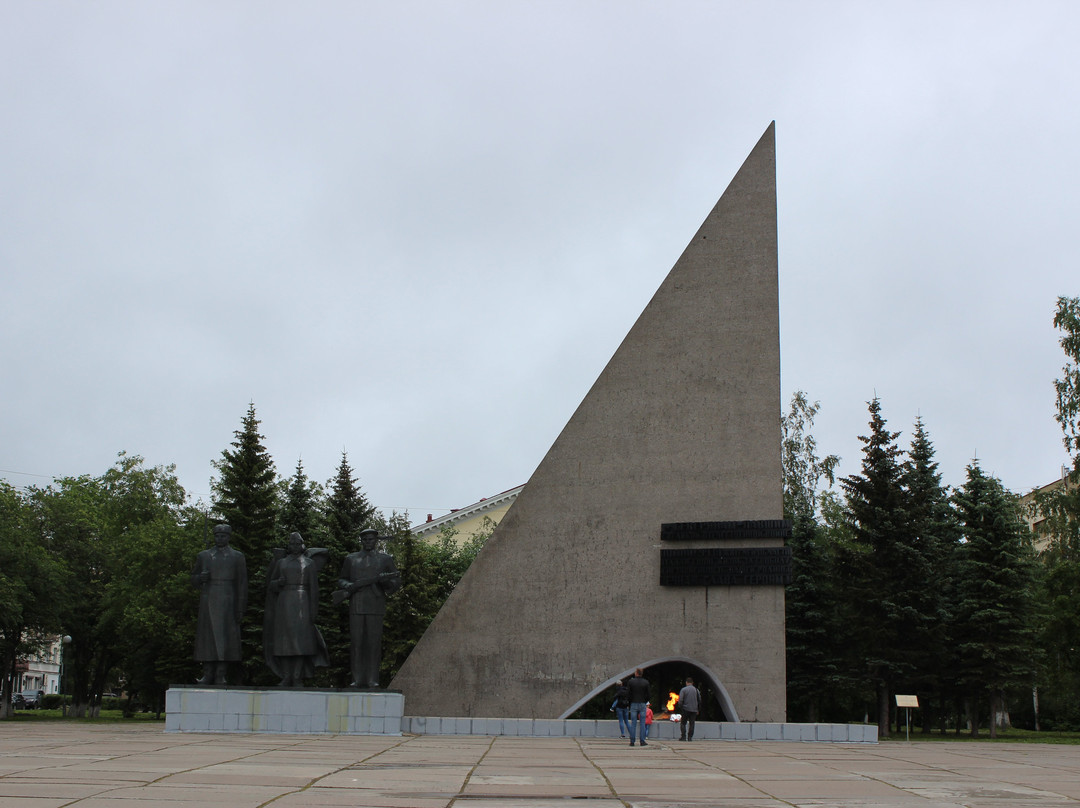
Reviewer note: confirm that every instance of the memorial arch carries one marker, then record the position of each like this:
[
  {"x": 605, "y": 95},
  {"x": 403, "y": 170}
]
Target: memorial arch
[
  {"x": 649, "y": 530},
  {"x": 702, "y": 676}
]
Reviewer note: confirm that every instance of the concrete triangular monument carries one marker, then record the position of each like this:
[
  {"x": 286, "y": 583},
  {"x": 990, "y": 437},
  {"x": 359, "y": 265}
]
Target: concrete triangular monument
[{"x": 669, "y": 467}]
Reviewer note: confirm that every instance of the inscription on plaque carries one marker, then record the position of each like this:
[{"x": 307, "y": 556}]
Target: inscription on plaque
[
  {"x": 714, "y": 531},
  {"x": 737, "y": 566}
]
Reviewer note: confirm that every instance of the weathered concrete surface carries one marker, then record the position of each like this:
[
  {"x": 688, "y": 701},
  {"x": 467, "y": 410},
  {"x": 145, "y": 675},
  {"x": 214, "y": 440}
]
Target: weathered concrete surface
[
  {"x": 191, "y": 708},
  {"x": 47, "y": 764},
  {"x": 681, "y": 426}
]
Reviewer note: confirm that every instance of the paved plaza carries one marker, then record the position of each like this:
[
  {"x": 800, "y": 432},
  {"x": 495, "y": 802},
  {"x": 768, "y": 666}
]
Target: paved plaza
[{"x": 48, "y": 765}]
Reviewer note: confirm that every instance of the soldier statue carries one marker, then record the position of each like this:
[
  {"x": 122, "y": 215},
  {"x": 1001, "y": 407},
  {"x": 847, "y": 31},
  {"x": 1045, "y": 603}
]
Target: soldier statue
[
  {"x": 366, "y": 578},
  {"x": 220, "y": 575}
]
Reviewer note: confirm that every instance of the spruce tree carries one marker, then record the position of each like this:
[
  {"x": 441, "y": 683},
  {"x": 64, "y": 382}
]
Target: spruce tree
[
  {"x": 347, "y": 512},
  {"x": 995, "y": 606},
  {"x": 347, "y": 509},
  {"x": 302, "y": 510},
  {"x": 878, "y": 578},
  {"x": 246, "y": 498},
  {"x": 813, "y": 661},
  {"x": 932, "y": 529}
]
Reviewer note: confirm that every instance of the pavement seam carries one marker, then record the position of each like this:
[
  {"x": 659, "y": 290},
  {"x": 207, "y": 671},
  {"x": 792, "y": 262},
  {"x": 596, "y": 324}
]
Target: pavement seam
[
  {"x": 610, "y": 785},
  {"x": 304, "y": 788},
  {"x": 468, "y": 777},
  {"x": 682, "y": 752},
  {"x": 145, "y": 783},
  {"x": 883, "y": 755}
]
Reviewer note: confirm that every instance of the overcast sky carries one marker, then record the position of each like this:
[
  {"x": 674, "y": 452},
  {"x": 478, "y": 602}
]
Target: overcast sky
[{"x": 417, "y": 231}]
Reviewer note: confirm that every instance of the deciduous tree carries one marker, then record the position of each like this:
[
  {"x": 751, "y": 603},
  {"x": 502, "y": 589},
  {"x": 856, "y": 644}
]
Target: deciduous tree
[
  {"x": 814, "y": 653},
  {"x": 30, "y": 588}
]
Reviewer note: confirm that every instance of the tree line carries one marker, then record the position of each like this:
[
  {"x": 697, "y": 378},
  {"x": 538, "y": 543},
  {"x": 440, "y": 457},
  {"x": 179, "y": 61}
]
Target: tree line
[
  {"x": 901, "y": 585},
  {"x": 107, "y": 560}
]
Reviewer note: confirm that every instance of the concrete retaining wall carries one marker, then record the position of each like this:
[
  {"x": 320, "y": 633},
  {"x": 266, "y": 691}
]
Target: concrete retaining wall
[
  {"x": 268, "y": 710},
  {"x": 661, "y": 730},
  {"x": 348, "y": 712}
]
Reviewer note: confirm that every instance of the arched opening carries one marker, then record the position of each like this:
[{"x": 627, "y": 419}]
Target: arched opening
[{"x": 665, "y": 675}]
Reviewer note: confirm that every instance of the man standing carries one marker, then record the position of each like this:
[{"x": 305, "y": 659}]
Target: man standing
[
  {"x": 366, "y": 578},
  {"x": 689, "y": 706},
  {"x": 639, "y": 698},
  {"x": 220, "y": 575}
]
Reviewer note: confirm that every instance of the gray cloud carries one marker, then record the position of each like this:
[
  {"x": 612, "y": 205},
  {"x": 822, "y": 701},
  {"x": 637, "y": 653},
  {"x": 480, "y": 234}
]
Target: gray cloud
[{"x": 417, "y": 231}]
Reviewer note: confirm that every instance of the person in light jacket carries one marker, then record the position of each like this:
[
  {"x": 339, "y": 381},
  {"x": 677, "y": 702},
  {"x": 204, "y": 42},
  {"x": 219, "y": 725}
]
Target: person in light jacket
[{"x": 689, "y": 706}]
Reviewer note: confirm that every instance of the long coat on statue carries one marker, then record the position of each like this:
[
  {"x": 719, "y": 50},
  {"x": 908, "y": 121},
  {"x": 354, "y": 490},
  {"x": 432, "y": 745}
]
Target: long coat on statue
[
  {"x": 222, "y": 601},
  {"x": 291, "y": 610}
]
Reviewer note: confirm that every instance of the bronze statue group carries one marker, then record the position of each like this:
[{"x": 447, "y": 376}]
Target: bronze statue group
[{"x": 292, "y": 642}]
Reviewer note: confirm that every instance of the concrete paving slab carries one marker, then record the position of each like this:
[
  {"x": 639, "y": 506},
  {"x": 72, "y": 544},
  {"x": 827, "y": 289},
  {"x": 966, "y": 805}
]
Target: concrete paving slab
[
  {"x": 66, "y": 792},
  {"x": 467, "y": 802},
  {"x": 122, "y": 766}
]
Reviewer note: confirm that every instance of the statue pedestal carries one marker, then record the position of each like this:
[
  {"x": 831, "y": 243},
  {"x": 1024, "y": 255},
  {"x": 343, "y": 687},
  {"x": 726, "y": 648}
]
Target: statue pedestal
[{"x": 222, "y": 708}]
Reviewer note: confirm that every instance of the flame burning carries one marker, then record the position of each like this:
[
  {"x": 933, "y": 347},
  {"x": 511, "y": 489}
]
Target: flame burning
[{"x": 673, "y": 699}]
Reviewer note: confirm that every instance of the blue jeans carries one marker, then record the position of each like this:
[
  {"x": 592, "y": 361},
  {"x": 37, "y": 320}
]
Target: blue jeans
[
  {"x": 637, "y": 715},
  {"x": 623, "y": 714}
]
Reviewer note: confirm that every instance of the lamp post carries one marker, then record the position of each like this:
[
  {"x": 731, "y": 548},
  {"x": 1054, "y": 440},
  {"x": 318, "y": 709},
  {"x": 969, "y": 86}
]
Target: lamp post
[{"x": 65, "y": 641}]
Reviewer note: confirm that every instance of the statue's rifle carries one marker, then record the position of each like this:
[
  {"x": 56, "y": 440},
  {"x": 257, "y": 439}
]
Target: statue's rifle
[{"x": 342, "y": 594}]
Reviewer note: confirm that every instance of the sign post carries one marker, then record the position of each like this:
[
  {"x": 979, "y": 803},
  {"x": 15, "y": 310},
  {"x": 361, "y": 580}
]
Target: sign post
[{"x": 908, "y": 702}]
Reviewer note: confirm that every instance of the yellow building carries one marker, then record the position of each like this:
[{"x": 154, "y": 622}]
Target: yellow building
[
  {"x": 1035, "y": 519},
  {"x": 470, "y": 520}
]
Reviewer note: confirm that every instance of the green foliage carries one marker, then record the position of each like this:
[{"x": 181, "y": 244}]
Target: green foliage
[
  {"x": 107, "y": 560},
  {"x": 815, "y": 636},
  {"x": 802, "y": 467},
  {"x": 157, "y": 622},
  {"x": 1059, "y": 637},
  {"x": 245, "y": 494},
  {"x": 429, "y": 573},
  {"x": 346, "y": 513},
  {"x": 995, "y": 583},
  {"x": 347, "y": 509},
  {"x": 1059, "y": 509},
  {"x": 30, "y": 582},
  {"x": 71, "y": 517},
  {"x": 415, "y": 604},
  {"x": 894, "y": 569},
  {"x": 1067, "y": 319},
  {"x": 933, "y": 530},
  {"x": 246, "y": 498},
  {"x": 302, "y": 509},
  {"x": 876, "y": 501},
  {"x": 119, "y": 545}
]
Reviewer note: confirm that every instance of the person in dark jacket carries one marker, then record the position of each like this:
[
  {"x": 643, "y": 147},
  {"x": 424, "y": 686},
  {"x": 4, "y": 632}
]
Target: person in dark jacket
[
  {"x": 621, "y": 706},
  {"x": 639, "y": 698}
]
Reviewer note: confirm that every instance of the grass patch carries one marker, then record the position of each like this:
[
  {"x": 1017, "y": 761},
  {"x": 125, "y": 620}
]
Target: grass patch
[
  {"x": 106, "y": 717},
  {"x": 1011, "y": 735}
]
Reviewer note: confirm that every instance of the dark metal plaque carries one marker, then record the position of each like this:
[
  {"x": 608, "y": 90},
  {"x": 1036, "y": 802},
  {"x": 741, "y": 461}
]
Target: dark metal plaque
[
  {"x": 720, "y": 531},
  {"x": 736, "y": 566}
]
